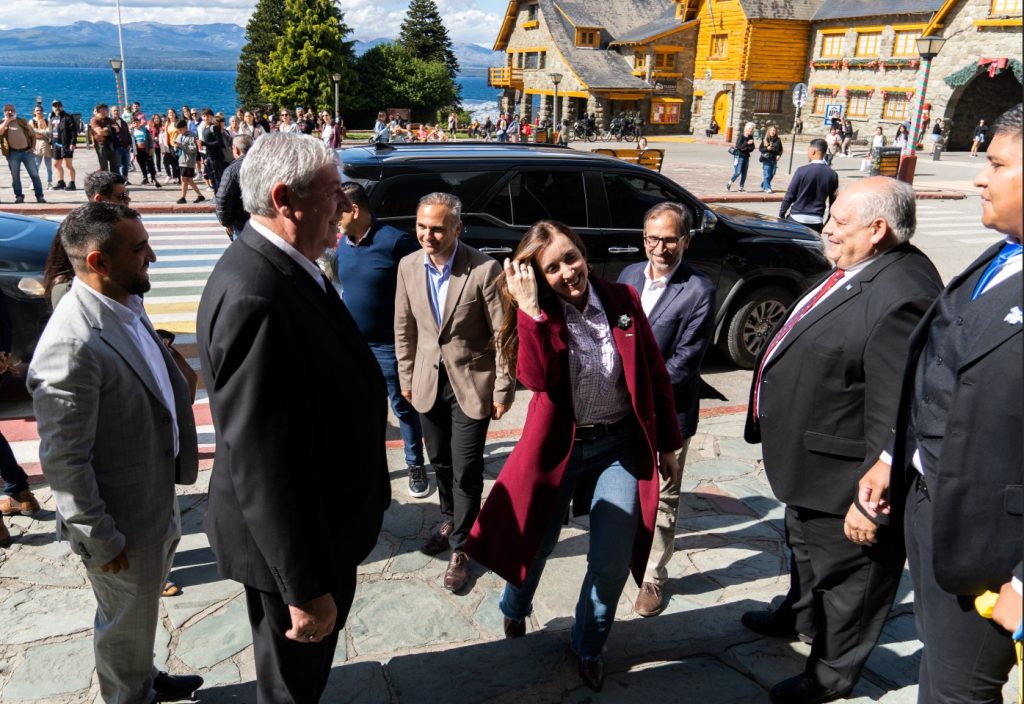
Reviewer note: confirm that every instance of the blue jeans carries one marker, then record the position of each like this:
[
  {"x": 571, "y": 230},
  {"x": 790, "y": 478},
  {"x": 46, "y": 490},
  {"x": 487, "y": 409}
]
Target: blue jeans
[
  {"x": 408, "y": 418},
  {"x": 124, "y": 157},
  {"x": 15, "y": 161},
  {"x": 768, "y": 169},
  {"x": 740, "y": 164},
  {"x": 610, "y": 465}
]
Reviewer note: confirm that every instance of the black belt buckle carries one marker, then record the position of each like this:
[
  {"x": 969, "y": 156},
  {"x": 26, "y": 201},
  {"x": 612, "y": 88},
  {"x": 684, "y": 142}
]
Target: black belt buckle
[
  {"x": 922, "y": 485},
  {"x": 589, "y": 433}
]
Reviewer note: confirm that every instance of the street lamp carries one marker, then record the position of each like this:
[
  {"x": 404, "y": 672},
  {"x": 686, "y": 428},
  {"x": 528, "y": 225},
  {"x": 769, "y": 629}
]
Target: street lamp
[
  {"x": 928, "y": 48},
  {"x": 337, "y": 87},
  {"x": 556, "y": 78},
  {"x": 116, "y": 65}
]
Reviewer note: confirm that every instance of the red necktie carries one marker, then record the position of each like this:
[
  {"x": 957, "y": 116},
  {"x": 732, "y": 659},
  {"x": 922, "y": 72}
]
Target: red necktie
[{"x": 781, "y": 334}]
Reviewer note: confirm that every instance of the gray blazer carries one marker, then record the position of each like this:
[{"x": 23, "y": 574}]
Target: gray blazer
[{"x": 105, "y": 437}]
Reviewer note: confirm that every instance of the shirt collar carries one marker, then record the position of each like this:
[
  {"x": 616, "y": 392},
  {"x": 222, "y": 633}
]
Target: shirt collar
[
  {"x": 296, "y": 256},
  {"x": 661, "y": 281},
  {"x": 447, "y": 265},
  {"x": 593, "y": 306},
  {"x": 127, "y": 314},
  {"x": 817, "y": 161}
]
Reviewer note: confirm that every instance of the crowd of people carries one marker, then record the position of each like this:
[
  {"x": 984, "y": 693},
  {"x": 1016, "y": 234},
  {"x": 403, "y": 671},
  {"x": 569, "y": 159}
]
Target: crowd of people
[{"x": 888, "y": 410}]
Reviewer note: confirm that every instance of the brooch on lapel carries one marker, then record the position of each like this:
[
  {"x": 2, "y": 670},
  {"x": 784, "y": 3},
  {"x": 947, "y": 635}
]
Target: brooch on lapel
[
  {"x": 1014, "y": 317},
  {"x": 624, "y": 322}
]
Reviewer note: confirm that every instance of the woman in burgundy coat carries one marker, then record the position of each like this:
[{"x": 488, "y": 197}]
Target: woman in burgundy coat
[{"x": 600, "y": 427}]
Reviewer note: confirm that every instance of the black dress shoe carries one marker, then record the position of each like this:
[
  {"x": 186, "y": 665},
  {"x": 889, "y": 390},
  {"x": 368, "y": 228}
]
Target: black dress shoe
[
  {"x": 770, "y": 623},
  {"x": 172, "y": 688},
  {"x": 514, "y": 629},
  {"x": 592, "y": 672},
  {"x": 803, "y": 689}
]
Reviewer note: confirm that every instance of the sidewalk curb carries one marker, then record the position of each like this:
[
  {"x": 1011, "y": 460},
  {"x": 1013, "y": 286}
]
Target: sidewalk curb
[{"x": 777, "y": 197}]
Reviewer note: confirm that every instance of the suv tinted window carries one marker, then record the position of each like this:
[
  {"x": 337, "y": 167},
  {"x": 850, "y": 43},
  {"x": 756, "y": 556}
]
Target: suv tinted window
[
  {"x": 630, "y": 196},
  {"x": 400, "y": 196},
  {"x": 532, "y": 195}
]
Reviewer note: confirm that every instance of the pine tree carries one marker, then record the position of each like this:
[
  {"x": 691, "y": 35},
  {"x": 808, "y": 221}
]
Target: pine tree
[
  {"x": 311, "y": 47},
  {"x": 424, "y": 34},
  {"x": 261, "y": 35}
]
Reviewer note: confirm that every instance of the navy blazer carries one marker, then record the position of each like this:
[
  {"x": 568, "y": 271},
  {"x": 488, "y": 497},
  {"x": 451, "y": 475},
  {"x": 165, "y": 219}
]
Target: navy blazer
[{"x": 683, "y": 321}]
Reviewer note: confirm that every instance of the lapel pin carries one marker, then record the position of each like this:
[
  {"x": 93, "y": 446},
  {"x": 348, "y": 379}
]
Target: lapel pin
[
  {"x": 1015, "y": 316},
  {"x": 849, "y": 286}
]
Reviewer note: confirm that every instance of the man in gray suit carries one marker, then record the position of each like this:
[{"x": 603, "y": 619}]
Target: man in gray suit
[{"x": 116, "y": 433}]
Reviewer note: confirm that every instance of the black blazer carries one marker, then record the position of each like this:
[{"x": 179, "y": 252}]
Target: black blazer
[
  {"x": 300, "y": 479},
  {"x": 683, "y": 321},
  {"x": 977, "y": 490},
  {"x": 829, "y": 393}
]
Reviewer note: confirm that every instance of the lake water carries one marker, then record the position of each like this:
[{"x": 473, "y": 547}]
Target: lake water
[{"x": 156, "y": 89}]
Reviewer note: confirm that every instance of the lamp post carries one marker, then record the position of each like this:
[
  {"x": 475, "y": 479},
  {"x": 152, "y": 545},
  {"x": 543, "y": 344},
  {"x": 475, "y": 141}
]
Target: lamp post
[
  {"x": 116, "y": 65},
  {"x": 337, "y": 86},
  {"x": 120, "y": 44},
  {"x": 556, "y": 78},
  {"x": 928, "y": 48}
]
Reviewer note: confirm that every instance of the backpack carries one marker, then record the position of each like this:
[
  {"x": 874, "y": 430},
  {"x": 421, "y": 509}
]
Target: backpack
[{"x": 187, "y": 149}]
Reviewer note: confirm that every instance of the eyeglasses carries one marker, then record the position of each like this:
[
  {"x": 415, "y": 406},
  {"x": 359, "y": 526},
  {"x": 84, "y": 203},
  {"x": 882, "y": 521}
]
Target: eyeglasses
[
  {"x": 126, "y": 196},
  {"x": 669, "y": 242}
]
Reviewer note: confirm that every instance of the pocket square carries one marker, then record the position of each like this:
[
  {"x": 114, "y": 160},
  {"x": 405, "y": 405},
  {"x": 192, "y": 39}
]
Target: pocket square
[{"x": 1014, "y": 317}]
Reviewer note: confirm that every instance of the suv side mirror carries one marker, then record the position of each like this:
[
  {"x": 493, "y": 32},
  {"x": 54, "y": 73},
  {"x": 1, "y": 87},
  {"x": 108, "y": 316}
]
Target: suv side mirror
[{"x": 708, "y": 223}]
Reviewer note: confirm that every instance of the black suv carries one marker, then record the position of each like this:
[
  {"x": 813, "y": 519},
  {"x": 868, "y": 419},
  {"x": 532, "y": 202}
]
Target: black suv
[{"x": 759, "y": 264}]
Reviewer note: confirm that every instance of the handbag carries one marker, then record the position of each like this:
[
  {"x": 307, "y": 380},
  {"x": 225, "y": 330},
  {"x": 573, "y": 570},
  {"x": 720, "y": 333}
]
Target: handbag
[{"x": 733, "y": 151}]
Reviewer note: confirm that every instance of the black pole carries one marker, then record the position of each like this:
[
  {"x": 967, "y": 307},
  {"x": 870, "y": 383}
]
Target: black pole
[{"x": 792, "y": 149}]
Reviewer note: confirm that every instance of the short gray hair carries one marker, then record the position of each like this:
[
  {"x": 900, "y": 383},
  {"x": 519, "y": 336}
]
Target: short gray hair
[
  {"x": 447, "y": 200},
  {"x": 281, "y": 157},
  {"x": 242, "y": 142},
  {"x": 681, "y": 213},
  {"x": 894, "y": 202}
]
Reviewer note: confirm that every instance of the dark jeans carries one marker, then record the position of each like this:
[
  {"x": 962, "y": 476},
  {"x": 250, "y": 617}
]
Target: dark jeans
[
  {"x": 455, "y": 444},
  {"x": 146, "y": 165},
  {"x": 124, "y": 157},
  {"x": 408, "y": 418},
  {"x": 768, "y": 169},
  {"x": 106, "y": 156},
  {"x": 740, "y": 165},
  {"x": 171, "y": 165},
  {"x": 13, "y": 476}
]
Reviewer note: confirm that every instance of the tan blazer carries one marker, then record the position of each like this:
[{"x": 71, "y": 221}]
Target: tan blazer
[{"x": 470, "y": 320}]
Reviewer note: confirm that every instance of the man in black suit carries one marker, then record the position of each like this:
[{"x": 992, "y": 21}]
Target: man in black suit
[
  {"x": 290, "y": 382},
  {"x": 680, "y": 304},
  {"x": 813, "y": 187},
  {"x": 822, "y": 403},
  {"x": 956, "y": 475}
]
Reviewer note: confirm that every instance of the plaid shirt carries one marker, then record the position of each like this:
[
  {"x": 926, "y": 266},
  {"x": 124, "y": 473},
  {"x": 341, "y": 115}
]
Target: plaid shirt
[{"x": 599, "y": 391}]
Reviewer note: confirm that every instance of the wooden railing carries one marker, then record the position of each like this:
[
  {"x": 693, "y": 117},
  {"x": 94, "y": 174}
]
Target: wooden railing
[{"x": 504, "y": 77}]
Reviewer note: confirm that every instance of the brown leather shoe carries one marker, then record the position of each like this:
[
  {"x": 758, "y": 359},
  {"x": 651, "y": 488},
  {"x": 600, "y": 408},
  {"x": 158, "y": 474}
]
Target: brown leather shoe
[
  {"x": 650, "y": 601},
  {"x": 457, "y": 574},
  {"x": 438, "y": 542},
  {"x": 514, "y": 629},
  {"x": 21, "y": 503},
  {"x": 592, "y": 672},
  {"x": 5, "y": 536}
]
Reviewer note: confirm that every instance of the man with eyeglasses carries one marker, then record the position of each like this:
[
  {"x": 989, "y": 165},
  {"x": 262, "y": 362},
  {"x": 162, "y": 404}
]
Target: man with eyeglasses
[
  {"x": 107, "y": 187},
  {"x": 16, "y": 142},
  {"x": 679, "y": 303}
]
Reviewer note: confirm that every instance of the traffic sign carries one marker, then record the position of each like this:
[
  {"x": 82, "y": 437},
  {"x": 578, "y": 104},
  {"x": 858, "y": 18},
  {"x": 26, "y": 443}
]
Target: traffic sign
[{"x": 800, "y": 95}]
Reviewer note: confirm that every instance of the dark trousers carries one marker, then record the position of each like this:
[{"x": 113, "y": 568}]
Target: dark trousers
[
  {"x": 107, "y": 156},
  {"x": 14, "y": 478},
  {"x": 455, "y": 445},
  {"x": 845, "y": 588},
  {"x": 145, "y": 160},
  {"x": 171, "y": 164},
  {"x": 966, "y": 659},
  {"x": 290, "y": 671}
]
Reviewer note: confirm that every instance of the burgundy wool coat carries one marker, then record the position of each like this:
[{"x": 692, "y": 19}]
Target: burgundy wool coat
[{"x": 512, "y": 522}]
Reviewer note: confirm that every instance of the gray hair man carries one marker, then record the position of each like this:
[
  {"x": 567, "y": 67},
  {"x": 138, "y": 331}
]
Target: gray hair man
[
  {"x": 286, "y": 368},
  {"x": 679, "y": 302},
  {"x": 231, "y": 212},
  {"x": 447, "y": 311},
  {"x": 116, "y": 433}
]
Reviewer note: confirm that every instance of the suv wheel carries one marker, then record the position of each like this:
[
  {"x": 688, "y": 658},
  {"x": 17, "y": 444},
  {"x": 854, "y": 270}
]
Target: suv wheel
[{"x": 748, "y": 327}]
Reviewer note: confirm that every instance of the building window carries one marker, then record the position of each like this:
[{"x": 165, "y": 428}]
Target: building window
[
  {"x": 858, "y": 106},
  {"x": 665, "y": 61},
  {"x": 832, "y": 46},
  {"x": 719, "y": 46},
  {"x": 532, "y": 12},
  {"x": 868, "y": 43},
  {"x": 906, "y": 43},
  {"x": 587, "y": 37},
  {"x": 698, "y": 103},
  {"x": 533, "y": 60},
  {"x": 640, "y": 60},
  {"x": 768, "y": 101},
  {"x": 1006, "y": 7},
  {"x": 820, "y": 101},
  {"x": 665, "y": 113},
  {"x": 895, "y": 107}
]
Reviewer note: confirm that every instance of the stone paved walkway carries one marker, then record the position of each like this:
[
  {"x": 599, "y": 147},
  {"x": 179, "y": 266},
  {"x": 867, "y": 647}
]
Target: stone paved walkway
[{"x": 408, "y": 641}]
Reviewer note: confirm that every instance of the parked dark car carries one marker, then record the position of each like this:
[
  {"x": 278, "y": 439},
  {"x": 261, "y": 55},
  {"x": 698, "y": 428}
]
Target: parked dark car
[
  {"x": 24, "y": 244},
  {"x": 759, "y": 264}
]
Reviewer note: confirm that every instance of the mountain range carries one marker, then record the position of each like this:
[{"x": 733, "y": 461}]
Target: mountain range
[{"x": 156, "y": 45}]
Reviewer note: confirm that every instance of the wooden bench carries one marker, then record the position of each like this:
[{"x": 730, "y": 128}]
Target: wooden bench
[{"x": 650, "y": 158}]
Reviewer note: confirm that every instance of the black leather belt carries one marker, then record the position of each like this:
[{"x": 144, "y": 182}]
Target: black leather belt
[{"x": 589, "y": 433}]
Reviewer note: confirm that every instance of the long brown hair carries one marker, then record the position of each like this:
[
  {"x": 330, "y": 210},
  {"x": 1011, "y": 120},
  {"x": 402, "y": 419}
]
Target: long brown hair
[{"x": 534, "y": 241}]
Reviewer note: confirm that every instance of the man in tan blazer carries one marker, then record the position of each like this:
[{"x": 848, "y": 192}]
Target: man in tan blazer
[{"x": 447, "y": 311}]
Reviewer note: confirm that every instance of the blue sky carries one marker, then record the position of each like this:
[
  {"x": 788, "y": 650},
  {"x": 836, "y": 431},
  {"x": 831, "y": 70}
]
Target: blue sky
[{"x": 475, "y": 21}]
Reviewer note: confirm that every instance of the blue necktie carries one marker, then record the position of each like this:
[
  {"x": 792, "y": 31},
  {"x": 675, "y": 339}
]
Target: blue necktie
[{"x": 1009, "y": 249}]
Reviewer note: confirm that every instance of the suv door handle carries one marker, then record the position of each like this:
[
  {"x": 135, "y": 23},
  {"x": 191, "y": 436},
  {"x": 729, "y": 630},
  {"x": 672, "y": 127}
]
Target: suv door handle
[
  {"x": 623, "y": 250},
  {"x": 495, "y": 250}
]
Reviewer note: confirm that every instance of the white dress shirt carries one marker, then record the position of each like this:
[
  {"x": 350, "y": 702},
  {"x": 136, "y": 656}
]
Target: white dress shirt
[
  {"x": 298, "y": 257},
  {"x": 655, "y": 288}
]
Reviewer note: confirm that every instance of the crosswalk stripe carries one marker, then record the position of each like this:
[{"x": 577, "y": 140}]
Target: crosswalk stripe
[
  {"x": 184, "y": 270},
  {"x": 188, "y": 258},
  {"x": 177, "y": 283},
  {"x": 163, "y": 301}
]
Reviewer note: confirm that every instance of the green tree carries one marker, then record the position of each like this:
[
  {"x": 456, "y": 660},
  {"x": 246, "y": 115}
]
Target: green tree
[
  {"x": 403, "y": 80},
  {"x": 310, "y": 49},
  {"x": 261, "y": 35},
  {"x": 424, "y": 34}
]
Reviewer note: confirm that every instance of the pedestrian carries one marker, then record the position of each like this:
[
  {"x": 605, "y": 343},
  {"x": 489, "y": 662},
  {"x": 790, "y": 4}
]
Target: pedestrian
[
  {"x": 447, "y": 312},
  {"x": 156, "y": 128},
  {"x": 143, "y": 141},
  {"x": 63, "y": 138},
  {"x": 833, "y": 143},
  {"x": 286, "y": 125},
  {"x": 980, "y": 137},
  {"x": 936, "y": 133},
  {"x": 564, "y": 133},
  {"x": 107, "y": 187},
  {"x": 250, "y": 127},
  {"x": 280, "y": 353},
  {"x": 121, "y": 133},
  {"x": 453, "y": 125},
  {"x": 381, "y": 134},
  {"x": 741, "y": 152},
  {"x": 951, "y": 476},
  {"x": 679, "y": 303},
  {"x": 812, "y": 188},
  {"x": 367, "y": 268},
  {"x": 330, "y": 131},
  {"x": 231, "y": 212},
  {"x": 210, "y": 136},
  {"x": 17, "y": 141},
  {"x": 501, "y": 127},
  {"x": 822, "y": 403},
  {"x": 900, "y": 140},
  {"x": 42, "y": 150},
  {"x": 168, "y": 143},
  {"x": 878, "y": 141},
  {"x": 847, "y": 137},
  {"x": 116, "y": 434},
  {"x": 771, "y": 152},
  {"x": 103, "y": 138},
  {"x": 601, "y": 426},
  {"x": 234, "y": 127},
  {"x": 712, "y": 129},
  {"x": 188, "y": 154}
]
